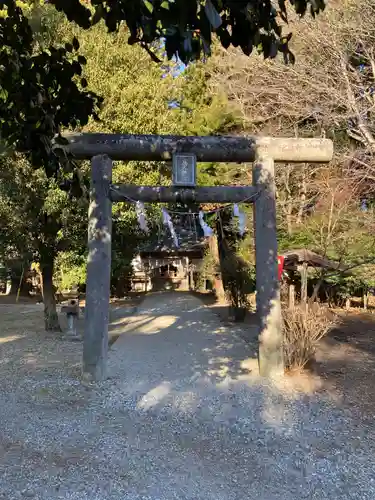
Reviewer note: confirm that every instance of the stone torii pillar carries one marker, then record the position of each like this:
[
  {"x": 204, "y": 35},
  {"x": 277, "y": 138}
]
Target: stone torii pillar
[
  {"x": 263, "y": 151},
  {"x": 268, "y": 308}
]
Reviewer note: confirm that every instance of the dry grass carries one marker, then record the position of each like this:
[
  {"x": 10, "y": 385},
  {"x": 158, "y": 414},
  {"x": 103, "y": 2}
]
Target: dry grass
[{"x": 303, "y": 329}]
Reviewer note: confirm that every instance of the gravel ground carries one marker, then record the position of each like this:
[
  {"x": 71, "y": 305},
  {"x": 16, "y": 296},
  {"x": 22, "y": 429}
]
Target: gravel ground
[{"x": 184, "y": 415}]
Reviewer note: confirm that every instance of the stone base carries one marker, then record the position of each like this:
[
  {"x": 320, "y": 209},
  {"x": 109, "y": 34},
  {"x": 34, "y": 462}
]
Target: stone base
[{"x": 73, "y": 338}]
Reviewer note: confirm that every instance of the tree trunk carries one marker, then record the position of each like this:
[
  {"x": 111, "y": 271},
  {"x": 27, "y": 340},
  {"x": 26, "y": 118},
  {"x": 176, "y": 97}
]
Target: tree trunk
[
  {"x": 317, "y": 286},
  {"x": 289, "y": 216},
  {"x": 19, "y": 284},
  {"x": 12, "y": 285},
  {"x": 218, "y": 280},
  {"x": 51, "y": 320}
]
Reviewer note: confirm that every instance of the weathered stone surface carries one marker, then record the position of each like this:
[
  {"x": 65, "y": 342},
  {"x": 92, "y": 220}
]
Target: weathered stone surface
[
  {"x": 166, "y": 194},
  {"x": 95, "y": 345},
  {"x": 271, "y": 361},
  {"x": 207, "y": 148}
]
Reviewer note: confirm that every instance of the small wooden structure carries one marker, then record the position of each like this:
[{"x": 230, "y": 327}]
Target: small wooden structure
[{"x": 300, "y": 261}]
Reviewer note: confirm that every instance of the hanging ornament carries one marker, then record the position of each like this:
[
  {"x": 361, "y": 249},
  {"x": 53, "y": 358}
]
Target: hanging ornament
[
  {"x": 207, "y": 231},
  {"x": 141, "y": 216},
  {"x": 168, "y": 222},
  {"x": 241, "y": 219}
]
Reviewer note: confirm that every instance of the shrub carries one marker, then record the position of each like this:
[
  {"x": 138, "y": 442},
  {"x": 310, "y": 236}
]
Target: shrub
[
  {"x": 303, "y": 329},
  {"x": 70, "y": 271},
  {"x": 239, "y": 279}
]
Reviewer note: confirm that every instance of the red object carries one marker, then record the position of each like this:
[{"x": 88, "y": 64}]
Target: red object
[{"x": 280, "y": 265}]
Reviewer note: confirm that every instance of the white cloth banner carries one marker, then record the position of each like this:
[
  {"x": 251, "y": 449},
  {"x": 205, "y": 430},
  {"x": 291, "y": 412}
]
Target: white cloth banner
[
  {"x": 168, "y": 222},
  {"x": 207, "y": 231},
  {"x": 141, "y": 216},
  {"x": 241, "y": 219}
]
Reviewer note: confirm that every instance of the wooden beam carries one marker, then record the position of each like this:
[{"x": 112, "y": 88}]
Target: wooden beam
[
  {"x": 207, "y": 149},
  {"x": 95, "y": 344},
  {"x": 271, "y": 358},
  {"x": 170, "y": 194}
]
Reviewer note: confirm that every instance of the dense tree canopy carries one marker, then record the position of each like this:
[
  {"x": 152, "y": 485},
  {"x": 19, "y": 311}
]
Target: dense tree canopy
[
  {"x": 40, "y": 89},
  {"x": 187, "y": 26}
]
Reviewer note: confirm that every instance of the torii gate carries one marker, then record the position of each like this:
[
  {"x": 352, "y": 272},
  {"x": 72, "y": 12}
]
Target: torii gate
[{"x": 102, "y": 149}]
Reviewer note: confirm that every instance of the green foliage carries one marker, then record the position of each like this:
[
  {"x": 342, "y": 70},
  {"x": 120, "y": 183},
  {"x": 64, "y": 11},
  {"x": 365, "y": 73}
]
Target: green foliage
[
  {"x": 300, "y": 238},
  {"x": 194, "y": 93},
  {"x": 36, "y": 217},
  {"x": 240, "y": 281},
  {"x": 238, "y": 274},
  {"x": 40, "y": 90},
  {"x": 187, "y": 27},
  {"x": 70, "y": 270},
  {"x": 208, "y": 270}
]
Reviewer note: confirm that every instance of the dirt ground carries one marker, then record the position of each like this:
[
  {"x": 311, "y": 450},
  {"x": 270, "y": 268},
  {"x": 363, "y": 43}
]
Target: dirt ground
[
  {"x": 60, "y": 439},
  {"x": 345, "y": 358},
  {"x": 26, "y": 314}
]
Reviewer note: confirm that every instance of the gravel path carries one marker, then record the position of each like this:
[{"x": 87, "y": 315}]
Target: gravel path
[{"x": 183, "y": 416}]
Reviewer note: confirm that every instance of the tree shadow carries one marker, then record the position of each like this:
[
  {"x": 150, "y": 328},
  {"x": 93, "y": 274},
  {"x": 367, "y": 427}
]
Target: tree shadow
[
  {"x": 182, "y": 400},
  {"x": 356, "y": 330},
  {"x": 210, "y": 350},
  {"x": 223, "y": 354},
  {"x": 345, "y": 361}
]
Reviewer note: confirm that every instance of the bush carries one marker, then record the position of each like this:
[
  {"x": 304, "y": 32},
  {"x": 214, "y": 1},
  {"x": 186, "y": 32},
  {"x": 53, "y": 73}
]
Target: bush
[
  {"x": 239, "y": 280},
  {"x": 303, "y": 329},
  {"x": 70, "y": 271}
]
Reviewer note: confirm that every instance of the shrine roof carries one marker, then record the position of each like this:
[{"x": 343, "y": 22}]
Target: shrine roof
[{"x": 300, "y": 256}]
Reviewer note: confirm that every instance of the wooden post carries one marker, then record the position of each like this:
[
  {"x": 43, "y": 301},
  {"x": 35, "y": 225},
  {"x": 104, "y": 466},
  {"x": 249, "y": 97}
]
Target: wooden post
[
  {"x": 187, "y": 274},
  {"x": 95, "y": 345},
  {"x": 218, "y": 277},
  {"x": 191, "y": 279},
  {"x": 271, "y": 359},
  {"x": 304, "y": 276},
  {"x": 365, "y": 299},
  {"x": 291, "y": 296}
]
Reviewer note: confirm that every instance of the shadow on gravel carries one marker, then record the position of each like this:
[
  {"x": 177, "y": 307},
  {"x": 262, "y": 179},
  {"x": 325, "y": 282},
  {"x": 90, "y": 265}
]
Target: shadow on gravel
[
  {"x": 346, "y": 362},
  {"x": 194, "y": 343},
  {"x": 183, "y": 415}
]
